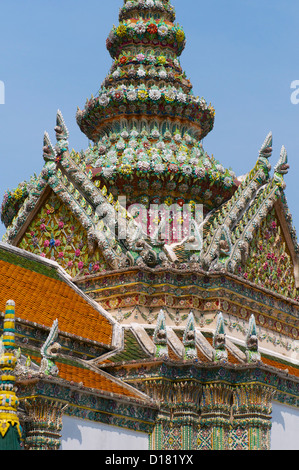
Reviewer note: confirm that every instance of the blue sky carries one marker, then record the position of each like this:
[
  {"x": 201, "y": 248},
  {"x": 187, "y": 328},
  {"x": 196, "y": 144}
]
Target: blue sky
[{"x": 242, "y": 56}]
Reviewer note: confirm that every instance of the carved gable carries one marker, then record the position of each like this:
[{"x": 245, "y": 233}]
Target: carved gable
[
  {"x": 269, "y": 263},
  {"x": 56, "y": 234}
]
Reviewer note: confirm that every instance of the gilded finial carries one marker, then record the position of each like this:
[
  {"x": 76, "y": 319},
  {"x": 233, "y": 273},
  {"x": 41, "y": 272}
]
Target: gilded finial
[{"x": 8, "y": 399}]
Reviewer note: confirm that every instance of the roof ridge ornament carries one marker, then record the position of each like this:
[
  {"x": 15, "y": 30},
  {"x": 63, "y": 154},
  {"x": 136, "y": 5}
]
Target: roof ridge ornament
[
  {"x": 160, "y": 336},
  {"x": 220, "y": 353},
  {"x": 49, "y": 152},
  {"x": 49, "y": 352},
  {"x": 266, "y": 148},
  {"x": 252, "y": 353},
  {"x": 281, "y": 168},
  {"x": 62, "y": 133},
  {"x": 8, "y": 400},
  {"x": 189, "y": 338}
]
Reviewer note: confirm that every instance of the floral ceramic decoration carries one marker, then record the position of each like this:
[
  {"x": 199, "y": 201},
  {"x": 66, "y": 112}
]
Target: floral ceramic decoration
[
  {"x": 269, "y": 262},
  {"x": 57, "y": 235},
  {"x": 14, "y": 199}
]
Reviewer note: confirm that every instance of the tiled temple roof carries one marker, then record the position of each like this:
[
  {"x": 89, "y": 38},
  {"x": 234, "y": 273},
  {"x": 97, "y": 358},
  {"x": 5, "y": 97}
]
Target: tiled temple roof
[
  {"x": 43, "y": 293},
  {"x": 98, "y": 381},
  {"x": 135, "y": 350},
  {"x": 95, "y": 380}
]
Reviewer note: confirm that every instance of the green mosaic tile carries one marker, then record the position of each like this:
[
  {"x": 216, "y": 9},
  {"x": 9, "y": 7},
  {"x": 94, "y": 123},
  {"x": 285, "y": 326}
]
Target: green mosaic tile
[
  {"x": 30, "y": 264},
  {"x": 132, "y": 350}
]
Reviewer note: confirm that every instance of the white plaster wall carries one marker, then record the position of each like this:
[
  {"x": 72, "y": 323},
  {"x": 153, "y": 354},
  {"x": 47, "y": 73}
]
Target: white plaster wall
[
  {"x": 285, "y": 427},
  {"x": 78, "y": 434}
]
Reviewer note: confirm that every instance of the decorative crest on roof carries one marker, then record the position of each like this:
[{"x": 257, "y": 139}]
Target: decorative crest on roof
[
  {"x": 62, "y": 133},
  {"x": 145, "y": 122},
  {"x": 220, "y": 354},
  {"x": 189, "y": 338},
  {"x": 49, "y": 152},
  {"x": 252, "y": 353},
  {"x": 49, "y": 352},
  {"x": 281, "y": 168},
  {"x": 160, "y": 336}
]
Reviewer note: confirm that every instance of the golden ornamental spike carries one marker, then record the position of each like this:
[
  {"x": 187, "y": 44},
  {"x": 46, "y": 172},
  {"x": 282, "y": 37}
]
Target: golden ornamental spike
[{"x": 8, "y": 400}]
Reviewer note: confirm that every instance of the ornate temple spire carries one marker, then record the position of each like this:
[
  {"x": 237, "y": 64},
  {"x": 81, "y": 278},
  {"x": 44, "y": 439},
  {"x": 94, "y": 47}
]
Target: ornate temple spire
[
  {"x": 10, "y": 430},
  {"x": 145, "y": 122},
  {"x": 146, "y": 78}
]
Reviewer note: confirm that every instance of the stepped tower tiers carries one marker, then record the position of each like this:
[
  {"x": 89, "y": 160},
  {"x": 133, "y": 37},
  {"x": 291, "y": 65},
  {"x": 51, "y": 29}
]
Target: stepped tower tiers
[{"x": 146, "y": 124}]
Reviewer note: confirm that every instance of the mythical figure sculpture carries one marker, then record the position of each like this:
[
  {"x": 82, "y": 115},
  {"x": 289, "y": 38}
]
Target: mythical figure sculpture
[
  {"x": 252, "y": 353},
  {"x": 189, "y": 338},
  {"x": 49, "y": 352},
  {"x": 220, "y": 354},
  {"x": 160, "y": 336},
  {"x": 49, "y": 152},
  {"x": 62, "y": 133},
  {"x": 281, "y": 168}
]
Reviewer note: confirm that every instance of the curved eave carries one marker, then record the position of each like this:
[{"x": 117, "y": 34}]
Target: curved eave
[{"x": 94, "y": 121}]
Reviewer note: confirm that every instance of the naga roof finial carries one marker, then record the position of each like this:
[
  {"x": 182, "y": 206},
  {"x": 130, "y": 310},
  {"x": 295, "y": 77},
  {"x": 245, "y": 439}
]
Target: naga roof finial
[
  {"x": 49, "y": 352},
  {"x": 266, "y": 148},
  {"x": 49, "y": 153},
  {"x": 252, "y": 353},
  {"x": 60, "y": 128},
  {"x": 220, "y": 354},
  {"x": 281, "y": 168},
  {"x": 189, "y": 338},
  {"x": 265, "y": 153},
  {"x": 62, "y": 134},
  {"x": 160, "y": 336}
]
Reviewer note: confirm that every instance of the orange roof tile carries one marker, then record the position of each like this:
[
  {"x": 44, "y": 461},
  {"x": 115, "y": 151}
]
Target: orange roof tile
[
  {"x": 92, "y": 379},
  {"x": 42, "y": 299},
  {"x": 232, "y": 359},
  {"x": 201, "y": 356},
  {"x": 172, "y": 355},
  {"x": 280, "y": 365}
]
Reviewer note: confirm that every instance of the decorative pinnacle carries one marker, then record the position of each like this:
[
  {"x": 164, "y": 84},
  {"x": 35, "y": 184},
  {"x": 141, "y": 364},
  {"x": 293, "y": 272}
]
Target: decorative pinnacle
[
  {"x": 49, "y": 153},
  {"x": 266, "y": 149},
  {"x": 8, "y": 400},
  {"x": 282, "y": 166}
]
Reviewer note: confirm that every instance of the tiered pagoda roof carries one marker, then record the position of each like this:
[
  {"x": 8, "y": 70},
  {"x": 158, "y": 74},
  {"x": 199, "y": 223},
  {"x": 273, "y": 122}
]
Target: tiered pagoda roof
[{"x": 145, "y": 122}]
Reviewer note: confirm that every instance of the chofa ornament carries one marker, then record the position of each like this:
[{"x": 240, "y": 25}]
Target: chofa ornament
[{"x": 49, "y": 352}]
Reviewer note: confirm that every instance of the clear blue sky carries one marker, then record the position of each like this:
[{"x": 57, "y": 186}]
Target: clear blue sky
[{"x": 241, "y": 55}]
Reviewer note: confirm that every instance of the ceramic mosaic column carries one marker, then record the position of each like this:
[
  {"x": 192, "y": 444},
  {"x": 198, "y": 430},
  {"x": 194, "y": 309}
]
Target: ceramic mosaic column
[
  {"x": 178, "y": 418},
  {"x": 163, "y": 427},
  {"x": 252, "y": 417},
  {"x": 160, "y": 390},
  {"x": 215, "y": 419},
  {"x": 186, "y": 397},
  {"x": 44, "y": 429},
  {"x": 10, "y": 429}
]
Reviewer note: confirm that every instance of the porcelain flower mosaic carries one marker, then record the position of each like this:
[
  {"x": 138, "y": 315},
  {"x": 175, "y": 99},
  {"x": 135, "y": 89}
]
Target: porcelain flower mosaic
[
  {"x": 57, "y": 235},
  {"x": 146, "y": 78},
  {"x": 14, "y": 199},
  {"x": 270, "y": 264},
  {"x": 159, "y": 31}
]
